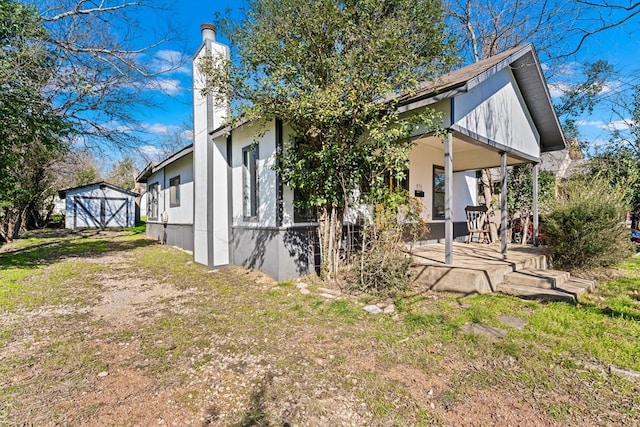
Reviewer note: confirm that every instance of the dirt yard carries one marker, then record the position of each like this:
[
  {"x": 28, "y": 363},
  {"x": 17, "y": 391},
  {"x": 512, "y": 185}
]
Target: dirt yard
[{"x": 114, "y": 329}]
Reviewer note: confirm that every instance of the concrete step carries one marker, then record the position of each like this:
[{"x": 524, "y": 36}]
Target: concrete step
[
  {"x": 535, "y": 262},
  {"x": 578, "y": 286},
  {"x": 545, "y": 279},
  {"x": 568, "y": 291},
  {"x": 531, "y": 292}
]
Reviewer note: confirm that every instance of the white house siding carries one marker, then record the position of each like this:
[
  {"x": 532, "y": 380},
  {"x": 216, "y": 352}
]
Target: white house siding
[
  {"x": 442, "y": 107},
  {"x": 422, "y": 160},
  {"x": 495, "y": 110},
  {"x": 97, "y": 205},
  {"x": 264, "y": 138},
  {"x": 279, "y": 248},
  {"x": 177, "y": 230}
]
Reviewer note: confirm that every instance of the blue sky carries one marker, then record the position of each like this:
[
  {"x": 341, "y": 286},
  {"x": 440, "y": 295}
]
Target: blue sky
[{"x": 620, "y": 46}]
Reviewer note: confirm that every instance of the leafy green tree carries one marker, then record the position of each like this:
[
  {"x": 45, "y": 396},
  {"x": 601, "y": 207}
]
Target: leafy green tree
[
  {"x": 520, "y": 192},
  {"x": 326, "y": 68},
  {"x": 32, "y": 133}
]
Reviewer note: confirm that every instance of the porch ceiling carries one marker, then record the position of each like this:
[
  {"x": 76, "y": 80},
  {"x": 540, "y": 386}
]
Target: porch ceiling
[{"x": 469, "y": 155}]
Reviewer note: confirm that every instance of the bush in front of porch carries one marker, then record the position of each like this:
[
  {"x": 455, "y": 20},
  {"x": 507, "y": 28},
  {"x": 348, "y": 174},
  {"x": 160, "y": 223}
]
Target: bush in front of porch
[{"x": 585, "y": 227}]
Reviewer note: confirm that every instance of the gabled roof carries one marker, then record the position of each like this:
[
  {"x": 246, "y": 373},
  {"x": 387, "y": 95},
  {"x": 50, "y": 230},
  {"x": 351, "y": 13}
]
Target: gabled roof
[
  {"x": 63, "y": 193},
  {"x": 525, "y": 66},
  {"x": 523, "y": 63},
  {"x": 155, "y": 166}
]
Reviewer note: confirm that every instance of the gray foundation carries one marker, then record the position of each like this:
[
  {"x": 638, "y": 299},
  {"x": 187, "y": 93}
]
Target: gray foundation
[
  {"x": 290, "y": 252},
  {"x": 180, "y": 235},
  {"x": 283, "y": 253}
]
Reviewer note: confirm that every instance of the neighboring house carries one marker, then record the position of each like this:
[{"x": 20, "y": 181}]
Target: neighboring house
[
  {"x": 99, "y": 205},
  {"x": 141, "y": 200},
  {"x": 169, "y": 199},
  {"x": 58, "y": 205},
  {"x": 497, "y": 112},
  {"x": 561, "y": 164}
]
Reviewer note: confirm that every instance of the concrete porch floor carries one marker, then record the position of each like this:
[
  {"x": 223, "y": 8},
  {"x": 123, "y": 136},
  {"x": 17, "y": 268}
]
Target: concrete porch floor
[
  {"x": 477, "y": 268},
  {"x": 481, "y": 268}
]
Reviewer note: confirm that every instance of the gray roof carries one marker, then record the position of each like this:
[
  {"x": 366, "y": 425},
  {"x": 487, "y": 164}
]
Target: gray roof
[
  {"x": 63, "y": 193},
  {"x": 527, "y": 72},
  {"x": 154, "y": 166}
]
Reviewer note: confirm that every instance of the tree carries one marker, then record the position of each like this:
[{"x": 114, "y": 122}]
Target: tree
[
  {"x": 325, "y": 67},
  {"x": 625, "y": 130},
  {"x": 123, "y": 173},
  {"x": 520, "y": 193},
  {"x": 486, "y": 28},
  {"x": 33, "y": 133},
  {"x": 103, "y": 69}
]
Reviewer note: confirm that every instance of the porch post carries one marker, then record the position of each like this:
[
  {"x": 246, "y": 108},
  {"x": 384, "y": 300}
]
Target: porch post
[
  {"x": 448, "y": 199},
  {"x": 503, "y": 205},
  {"x": 536, "y": 168}
]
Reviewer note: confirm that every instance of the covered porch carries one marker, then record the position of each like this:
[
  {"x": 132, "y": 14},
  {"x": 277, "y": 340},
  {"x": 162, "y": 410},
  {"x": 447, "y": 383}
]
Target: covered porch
[{"x": 496, "y": 113}]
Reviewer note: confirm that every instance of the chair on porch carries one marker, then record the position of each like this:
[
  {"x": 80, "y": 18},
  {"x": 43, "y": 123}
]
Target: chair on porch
[{"x": 477, "y": 223}]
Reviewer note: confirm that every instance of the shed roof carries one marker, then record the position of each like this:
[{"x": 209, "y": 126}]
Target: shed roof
[{"x": 63, "y": 193}]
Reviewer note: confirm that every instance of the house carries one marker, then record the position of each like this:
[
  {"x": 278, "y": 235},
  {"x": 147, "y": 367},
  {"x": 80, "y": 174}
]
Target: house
[
  {"x": 497, "y": 112},
  {"x": 99, "y": 205},
  {"x": 169, "y": 199}
]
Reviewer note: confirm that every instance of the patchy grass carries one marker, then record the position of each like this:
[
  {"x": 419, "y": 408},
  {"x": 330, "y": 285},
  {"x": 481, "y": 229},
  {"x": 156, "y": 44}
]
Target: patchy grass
[{"x": 176, "y": 343}]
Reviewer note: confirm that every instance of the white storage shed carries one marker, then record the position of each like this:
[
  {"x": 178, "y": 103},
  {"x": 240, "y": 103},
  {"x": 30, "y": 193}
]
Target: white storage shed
[{"x": 99, "y": 205}]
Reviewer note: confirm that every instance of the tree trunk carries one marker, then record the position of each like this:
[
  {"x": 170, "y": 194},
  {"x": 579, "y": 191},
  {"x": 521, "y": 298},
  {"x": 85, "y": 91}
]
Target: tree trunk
[
  {"x": 525, "y": 230},
  {"x": 330, "y": 236},
  {"x": 487, "y": 194},
  {"x": 10, "y": 224}
]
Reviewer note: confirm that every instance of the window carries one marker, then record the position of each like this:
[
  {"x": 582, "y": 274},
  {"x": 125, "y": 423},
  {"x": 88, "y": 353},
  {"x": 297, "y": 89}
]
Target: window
[
  {"x": 152, "y": 201},
  {"x": 249, "y": 182},
  {"x": 174, "y": 191},
  {"x": 302, "y": 214},
  {"x": 438, "y": 192}
]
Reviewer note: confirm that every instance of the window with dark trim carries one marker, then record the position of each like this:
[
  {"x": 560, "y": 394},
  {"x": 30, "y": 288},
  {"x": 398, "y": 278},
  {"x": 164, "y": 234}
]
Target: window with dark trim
[
  {"x": 300, "y": 213},
  {"x": 249, "y": 182},
  {"x": 438, "y": 192},
  {"x": 174, "y": 191},
  {"x": 152, "y": 201}
]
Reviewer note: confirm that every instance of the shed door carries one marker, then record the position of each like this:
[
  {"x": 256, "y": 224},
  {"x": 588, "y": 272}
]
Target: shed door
[{"x": 114, "y": 209}]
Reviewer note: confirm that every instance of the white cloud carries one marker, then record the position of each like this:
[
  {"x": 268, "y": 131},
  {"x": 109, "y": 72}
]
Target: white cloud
[
  {"x": 158, "y": 128},
  {"x": 619, "y": 125},
  {"x": 168, "y": 86},
  {"x": 556, "y": 90},
  {"x": 150, "y": 151},
  {"x": 612, "y": 86},
  {"x": 610, "y": 126},
  {"x": 171, "y": 61},
  {"x": 187, "y": 134}
]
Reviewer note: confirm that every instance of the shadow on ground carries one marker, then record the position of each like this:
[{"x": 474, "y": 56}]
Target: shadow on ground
[{"x": 83, "y": 244}]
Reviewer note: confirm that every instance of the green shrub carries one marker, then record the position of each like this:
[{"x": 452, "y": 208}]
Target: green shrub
[
  {"x": 585, "y": 227},
  {"x": 382, "y": 266}
]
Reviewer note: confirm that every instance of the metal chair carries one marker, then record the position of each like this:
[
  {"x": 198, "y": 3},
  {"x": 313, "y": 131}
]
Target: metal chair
[{"x": 477, "y": 223}]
